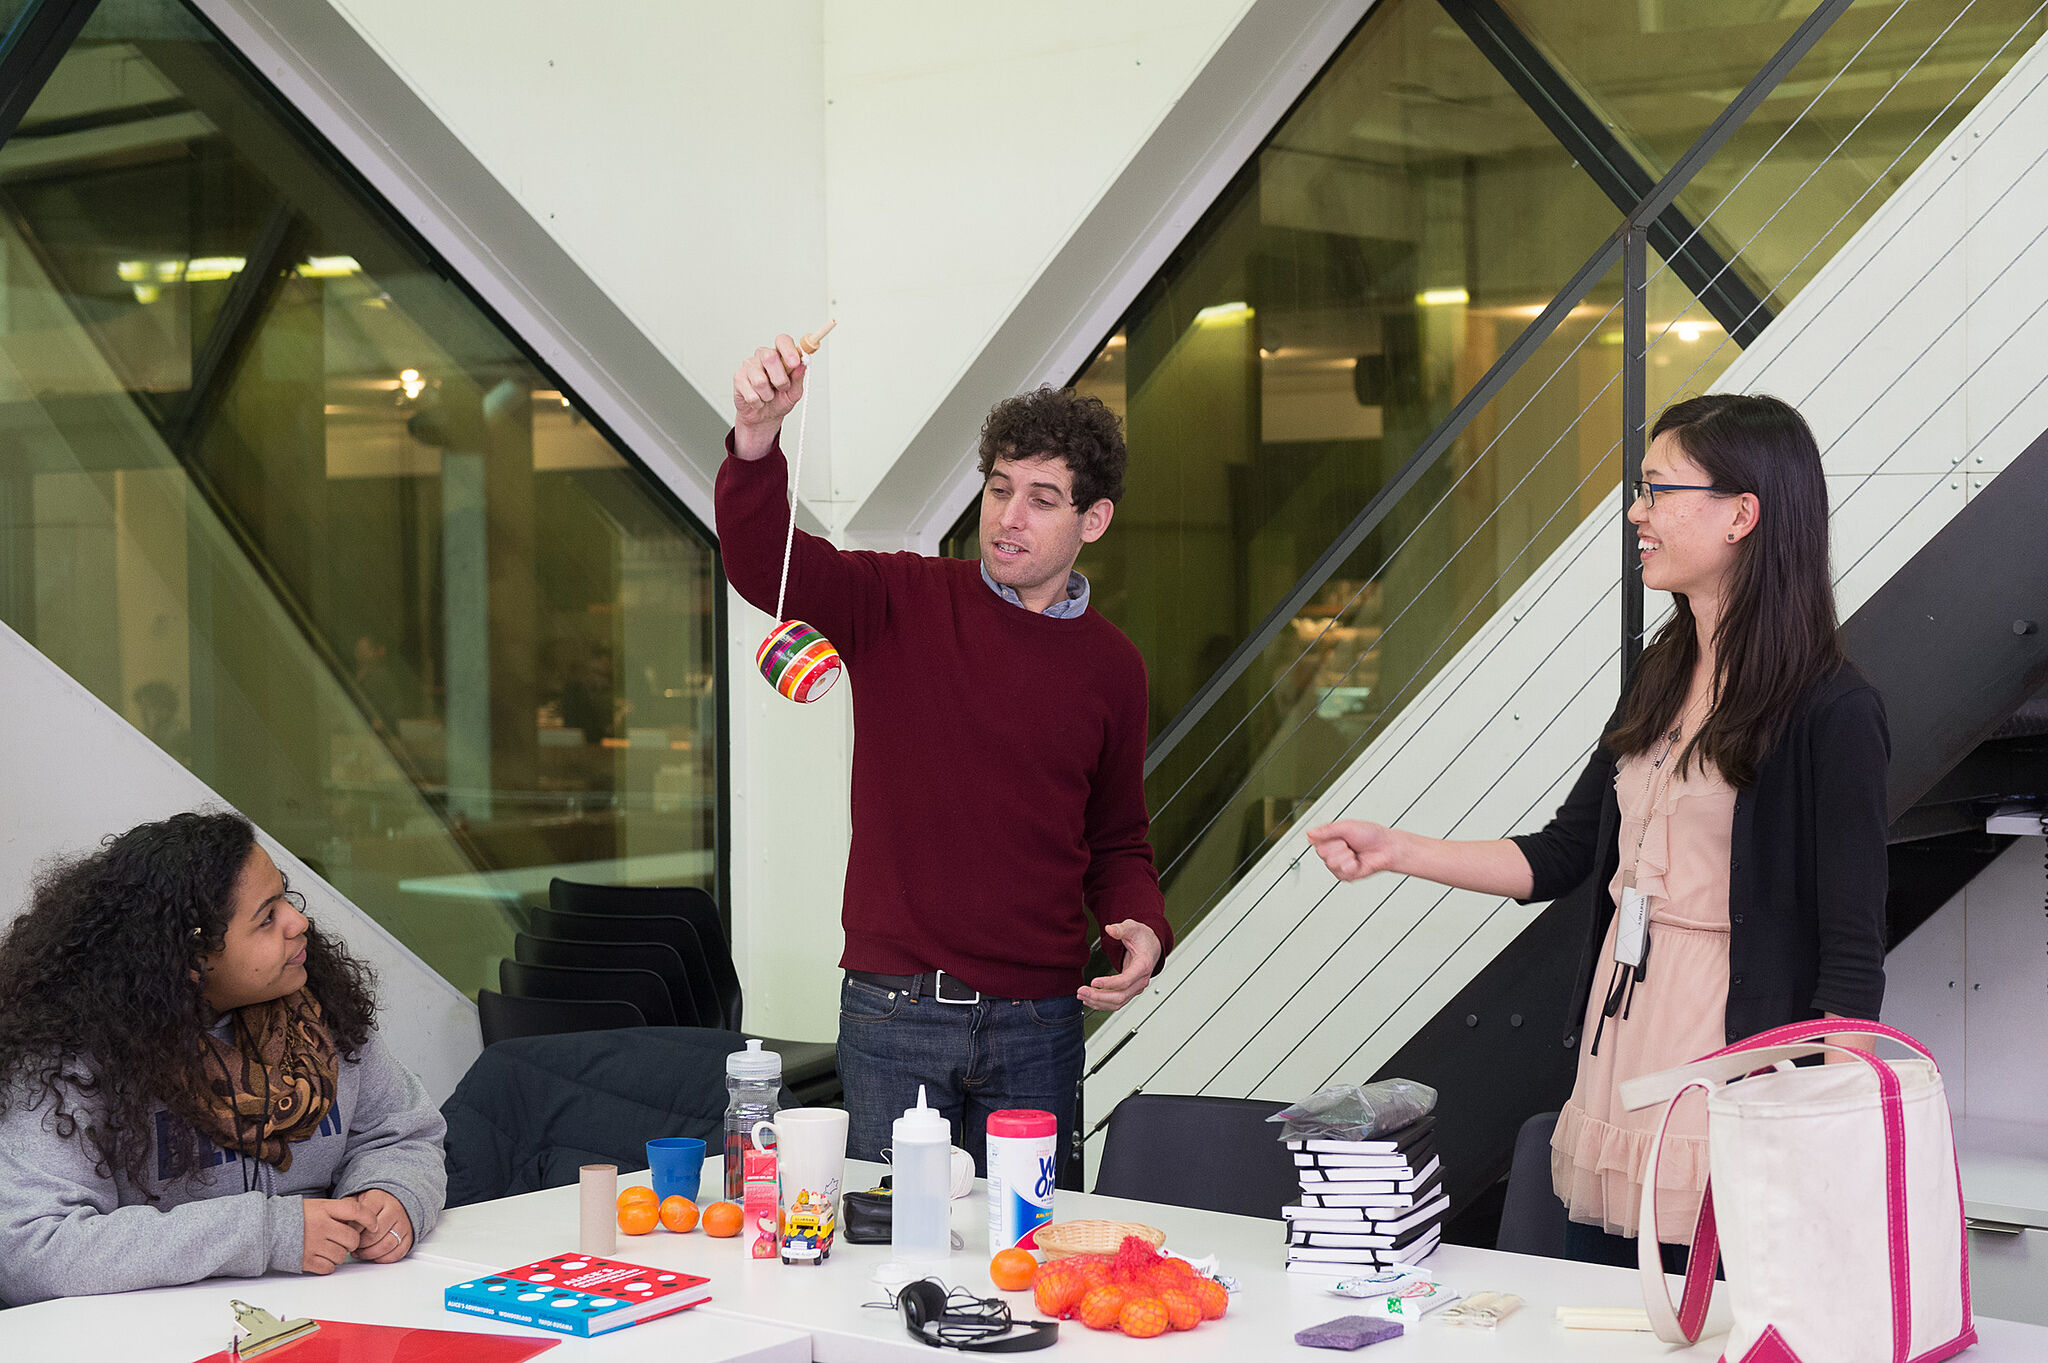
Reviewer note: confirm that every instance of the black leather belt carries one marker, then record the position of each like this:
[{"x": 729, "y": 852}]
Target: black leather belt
[{"x": 935, "y": 985}]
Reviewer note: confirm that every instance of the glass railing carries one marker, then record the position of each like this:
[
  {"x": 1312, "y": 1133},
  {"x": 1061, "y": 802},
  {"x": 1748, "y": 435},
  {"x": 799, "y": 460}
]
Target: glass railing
[{"x": 280, "y": 492}]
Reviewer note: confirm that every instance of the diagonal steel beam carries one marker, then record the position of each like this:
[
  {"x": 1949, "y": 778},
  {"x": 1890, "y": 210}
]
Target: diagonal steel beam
[
  {"x": 1722, "y": 289},
  {"x": 30, "y": 52}
]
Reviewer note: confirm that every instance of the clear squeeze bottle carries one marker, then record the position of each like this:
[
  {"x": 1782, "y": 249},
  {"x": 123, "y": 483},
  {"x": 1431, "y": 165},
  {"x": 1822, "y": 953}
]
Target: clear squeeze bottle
[
  {"x": 753, "y": 1081},
  {"x": 921, "y": 1197}
]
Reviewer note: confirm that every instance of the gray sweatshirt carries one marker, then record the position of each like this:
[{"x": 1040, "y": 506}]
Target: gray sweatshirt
[{"x": 65, "y": 1231}]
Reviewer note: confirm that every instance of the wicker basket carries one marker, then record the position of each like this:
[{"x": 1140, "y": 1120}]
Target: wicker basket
[{"x": 1061, "y": 1238}]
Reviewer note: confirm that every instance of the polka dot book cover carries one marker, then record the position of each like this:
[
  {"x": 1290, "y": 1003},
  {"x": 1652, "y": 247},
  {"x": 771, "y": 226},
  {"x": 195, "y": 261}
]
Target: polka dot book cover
[{"x": 578, "y": 1294}]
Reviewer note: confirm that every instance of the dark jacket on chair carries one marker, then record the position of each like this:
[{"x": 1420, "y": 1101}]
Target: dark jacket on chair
[{"x": 531, "y": 1110}]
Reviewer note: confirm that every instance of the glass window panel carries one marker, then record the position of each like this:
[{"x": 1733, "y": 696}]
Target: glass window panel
[
  {"x": 1532, "y": 465},
  {"x": 1886, "y": 83},
  {"x": 1322, "y": 318},
  {"x": 282, "y": 494}
]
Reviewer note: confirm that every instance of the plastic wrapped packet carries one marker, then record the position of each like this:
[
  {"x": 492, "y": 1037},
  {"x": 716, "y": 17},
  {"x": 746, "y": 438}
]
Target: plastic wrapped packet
[
  {"x": 1347, "y": 1112},
  {"x": 1484, "y": 1310}
]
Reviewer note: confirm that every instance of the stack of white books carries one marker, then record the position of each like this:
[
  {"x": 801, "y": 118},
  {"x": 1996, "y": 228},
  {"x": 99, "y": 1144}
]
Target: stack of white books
[{"x": 1372, "y": 1203}]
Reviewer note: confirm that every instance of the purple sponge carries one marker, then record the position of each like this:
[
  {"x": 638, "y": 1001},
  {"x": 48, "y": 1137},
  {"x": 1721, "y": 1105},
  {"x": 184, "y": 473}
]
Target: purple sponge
[{"x": 1347, "y": 1332}]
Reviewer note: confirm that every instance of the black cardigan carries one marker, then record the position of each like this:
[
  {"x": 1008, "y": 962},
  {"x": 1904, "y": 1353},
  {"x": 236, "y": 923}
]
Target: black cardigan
[{"x": 1806, "y": 871}]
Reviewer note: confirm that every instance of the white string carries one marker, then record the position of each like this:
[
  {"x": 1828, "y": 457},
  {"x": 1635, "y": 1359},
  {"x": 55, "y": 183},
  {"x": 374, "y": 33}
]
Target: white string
[{"x": 795, "y": 471}]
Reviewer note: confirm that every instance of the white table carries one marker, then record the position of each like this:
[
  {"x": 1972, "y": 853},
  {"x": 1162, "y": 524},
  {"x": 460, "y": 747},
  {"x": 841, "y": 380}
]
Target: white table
[
  {"x": 770, "y": 1311},
  {"x": 829, "y": 1302},
  {"x": 180, "y": 1324}
]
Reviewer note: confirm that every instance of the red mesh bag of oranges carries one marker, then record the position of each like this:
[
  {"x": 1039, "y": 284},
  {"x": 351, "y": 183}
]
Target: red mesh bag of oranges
[{"x": 1134, "y": 1290}]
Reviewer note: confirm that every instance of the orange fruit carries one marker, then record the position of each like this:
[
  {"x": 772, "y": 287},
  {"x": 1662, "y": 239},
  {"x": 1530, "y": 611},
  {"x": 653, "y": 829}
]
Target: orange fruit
[
  {"x": 1183, "y": 1312},
  {"x": 1102, "y": 1306},
  {"x": 1012, "y": 1269},
  {"x": 722, "y": 1220},
  {"x": 638, "y": 1217},
  {"x": 1057, "y": 1294},
  {"x": 678, "y": 1213},
  {"x": 1213, "y": 1299},
  {"x": 1144, "y": 1317},
  {"x": 637, "y": 1193}
]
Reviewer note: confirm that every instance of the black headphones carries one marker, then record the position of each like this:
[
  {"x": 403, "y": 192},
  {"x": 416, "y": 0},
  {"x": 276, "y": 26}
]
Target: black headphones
[{"x": 960, "y": 1320}]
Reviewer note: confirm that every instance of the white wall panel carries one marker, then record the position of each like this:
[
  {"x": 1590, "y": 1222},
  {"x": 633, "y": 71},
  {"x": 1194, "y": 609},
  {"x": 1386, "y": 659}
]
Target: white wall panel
[{"x": 77, "y": 771}]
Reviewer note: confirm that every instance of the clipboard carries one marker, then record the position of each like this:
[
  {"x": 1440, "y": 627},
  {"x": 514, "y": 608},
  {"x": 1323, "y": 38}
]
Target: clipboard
[{"x": 342, "y": 1341}]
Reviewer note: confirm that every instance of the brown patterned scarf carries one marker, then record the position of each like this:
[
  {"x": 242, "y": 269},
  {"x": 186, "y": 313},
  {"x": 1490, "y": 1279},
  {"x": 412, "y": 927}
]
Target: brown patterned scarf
[{"x": 273, "y": 1082}]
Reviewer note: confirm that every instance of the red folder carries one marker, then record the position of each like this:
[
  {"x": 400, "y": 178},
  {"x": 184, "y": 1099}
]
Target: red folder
[{"x": 344, "y": 1341}]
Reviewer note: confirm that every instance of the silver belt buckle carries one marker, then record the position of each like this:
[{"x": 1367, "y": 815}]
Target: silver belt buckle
[{"x": 939, "y": 990}]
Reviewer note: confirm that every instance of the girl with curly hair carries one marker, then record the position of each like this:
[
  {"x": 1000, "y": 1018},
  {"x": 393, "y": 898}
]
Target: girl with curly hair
[{"x": 191, "y": 1084}]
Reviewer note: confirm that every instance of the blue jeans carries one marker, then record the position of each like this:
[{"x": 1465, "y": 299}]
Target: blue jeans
[{"x": 972, "y": 1058}]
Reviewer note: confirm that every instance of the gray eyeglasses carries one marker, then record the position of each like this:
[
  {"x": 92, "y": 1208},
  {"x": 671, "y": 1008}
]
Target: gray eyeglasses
[{"x": 1646, "y": 490}]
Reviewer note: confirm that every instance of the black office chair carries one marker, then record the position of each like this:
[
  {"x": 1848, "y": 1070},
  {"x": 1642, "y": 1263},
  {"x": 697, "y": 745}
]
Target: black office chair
[
  {"x": 686, "y": 902},
  {"x": 1532, "y": 1219},
  {"x": 654, "y": 956},
  {"x": 811, "y": 1068},
  {"x": 506, "y": 1016},
  {"x": 1216, "y": 1154},
  {"x": 641, "y": 988},
  {"x": 674, "y": 933}
]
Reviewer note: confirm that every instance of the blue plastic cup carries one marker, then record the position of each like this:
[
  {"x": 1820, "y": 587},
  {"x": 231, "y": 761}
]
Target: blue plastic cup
[{"x": 676, "y": 1162}]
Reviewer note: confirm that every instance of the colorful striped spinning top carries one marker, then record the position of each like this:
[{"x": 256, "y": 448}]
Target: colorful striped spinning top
[{"x": 798, "y": 661}]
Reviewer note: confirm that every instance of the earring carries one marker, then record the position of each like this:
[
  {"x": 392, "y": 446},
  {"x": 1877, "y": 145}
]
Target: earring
[{"x": 1731, "y": 539}]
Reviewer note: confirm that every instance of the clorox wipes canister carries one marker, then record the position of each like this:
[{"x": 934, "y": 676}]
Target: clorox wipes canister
[{"x": 1023, "y": 1159}]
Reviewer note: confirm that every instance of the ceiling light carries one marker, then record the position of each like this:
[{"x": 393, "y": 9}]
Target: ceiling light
[
  {"x": 1222, "y": 313},
  {"x": 1439, "y": 298}
]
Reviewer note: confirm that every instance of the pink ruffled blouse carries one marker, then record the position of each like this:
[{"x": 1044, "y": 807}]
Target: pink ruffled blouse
[{"x": 1600, "y": 1152}]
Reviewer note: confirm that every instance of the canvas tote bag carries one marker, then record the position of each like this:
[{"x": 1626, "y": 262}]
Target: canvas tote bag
[{"x": 1833, "y": 1199}]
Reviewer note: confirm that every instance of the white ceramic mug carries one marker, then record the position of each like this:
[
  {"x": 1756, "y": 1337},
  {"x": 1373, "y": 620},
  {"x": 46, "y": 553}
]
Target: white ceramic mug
[{"x": 810, "y": 1161}]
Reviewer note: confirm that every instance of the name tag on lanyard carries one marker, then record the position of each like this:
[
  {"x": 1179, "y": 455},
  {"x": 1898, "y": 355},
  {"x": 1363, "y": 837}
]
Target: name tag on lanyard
[{"x": 1631, "y": 926}]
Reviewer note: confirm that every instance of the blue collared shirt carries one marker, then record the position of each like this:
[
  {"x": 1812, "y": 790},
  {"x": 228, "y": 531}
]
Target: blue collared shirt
[{"x": 1076, "y": 602}]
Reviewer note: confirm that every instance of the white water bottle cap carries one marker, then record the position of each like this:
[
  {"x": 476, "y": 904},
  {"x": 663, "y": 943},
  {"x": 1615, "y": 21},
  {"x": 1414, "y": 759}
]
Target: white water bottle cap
[{"x": 754, "y": 1063}]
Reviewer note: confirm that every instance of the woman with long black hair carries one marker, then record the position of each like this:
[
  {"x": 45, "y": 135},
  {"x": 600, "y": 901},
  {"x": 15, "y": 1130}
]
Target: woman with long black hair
[
  {"x": 191, "y": 1083},
  {"x": 1732, "y": 817}
]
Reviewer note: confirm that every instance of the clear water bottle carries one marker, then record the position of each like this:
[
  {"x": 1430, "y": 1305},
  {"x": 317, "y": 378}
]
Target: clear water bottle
[
  {"x": 921, "y": 1194},
  {"x": 753, "y": 1085}
]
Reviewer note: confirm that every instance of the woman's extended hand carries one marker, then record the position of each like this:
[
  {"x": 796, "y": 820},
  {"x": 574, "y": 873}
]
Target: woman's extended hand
[{"x": 1354, "y": 849}]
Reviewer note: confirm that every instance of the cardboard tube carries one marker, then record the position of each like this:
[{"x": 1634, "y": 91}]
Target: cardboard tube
[{"x": 598, "y": 1224}]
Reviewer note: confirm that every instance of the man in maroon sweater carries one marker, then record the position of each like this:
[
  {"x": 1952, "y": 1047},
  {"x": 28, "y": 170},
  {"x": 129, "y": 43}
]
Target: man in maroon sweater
[{"x": 998, "y": 765}]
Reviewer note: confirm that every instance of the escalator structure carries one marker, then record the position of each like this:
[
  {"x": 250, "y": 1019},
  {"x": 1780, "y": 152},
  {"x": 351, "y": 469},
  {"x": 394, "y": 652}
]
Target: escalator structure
[
  {"x": 1474, "y": 726},
  {"x": 277, "y": 488},
  {"x": 181, "y": 419}
]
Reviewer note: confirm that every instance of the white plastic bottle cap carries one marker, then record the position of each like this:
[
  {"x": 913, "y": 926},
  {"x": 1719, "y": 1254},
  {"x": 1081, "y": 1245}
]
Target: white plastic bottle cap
[
  {"x": 923, "y": 1123},
  {"x": 754, "y": 1063}
]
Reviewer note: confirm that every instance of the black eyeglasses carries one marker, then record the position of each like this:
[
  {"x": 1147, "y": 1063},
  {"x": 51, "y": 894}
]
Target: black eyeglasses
[{"x": 1646, "y": 490}]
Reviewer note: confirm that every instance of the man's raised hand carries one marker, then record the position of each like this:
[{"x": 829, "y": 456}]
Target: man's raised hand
[{"x": 765, "y": 388}]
